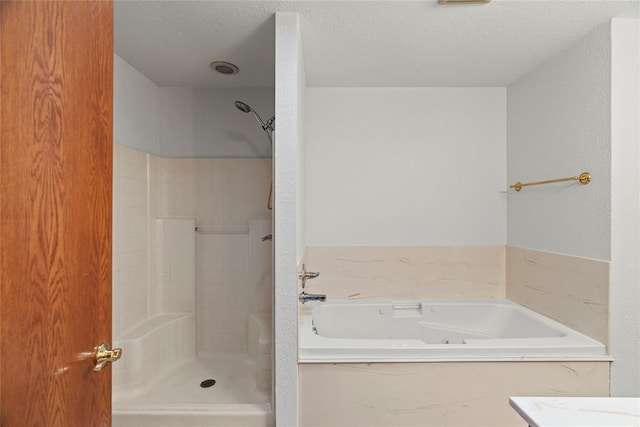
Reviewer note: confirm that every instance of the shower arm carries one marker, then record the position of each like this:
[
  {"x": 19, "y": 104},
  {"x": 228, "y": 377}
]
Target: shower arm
[
  {"x": 269, "y": 124},
  {"x": 259, "y": 119}
]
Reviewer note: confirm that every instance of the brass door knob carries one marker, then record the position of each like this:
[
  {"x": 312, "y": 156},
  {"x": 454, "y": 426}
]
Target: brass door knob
[{"x": 104, "y": 355}]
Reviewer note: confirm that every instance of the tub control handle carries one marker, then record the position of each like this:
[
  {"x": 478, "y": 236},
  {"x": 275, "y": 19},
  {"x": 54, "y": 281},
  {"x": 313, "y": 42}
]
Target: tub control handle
[{"x": 305, "y": 275}]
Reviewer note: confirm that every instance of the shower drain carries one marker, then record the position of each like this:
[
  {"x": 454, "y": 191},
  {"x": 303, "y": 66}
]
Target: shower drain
[{"x": 207, "y": 383}]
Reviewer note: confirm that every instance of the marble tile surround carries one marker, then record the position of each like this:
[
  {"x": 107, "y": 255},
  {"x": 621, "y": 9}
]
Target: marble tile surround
[
  {"x": 437, "y": 394},
  {"x": 357, "y": 272},
  {"x": 569, "y": 289}
]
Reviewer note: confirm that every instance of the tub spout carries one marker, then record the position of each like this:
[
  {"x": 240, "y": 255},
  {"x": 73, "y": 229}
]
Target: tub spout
[{"x": 305, "y": 297}]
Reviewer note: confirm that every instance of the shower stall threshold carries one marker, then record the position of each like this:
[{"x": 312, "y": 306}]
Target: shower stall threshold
[
  {"x": 227, "y": 415},
  {"x": 175, "y": 398}
]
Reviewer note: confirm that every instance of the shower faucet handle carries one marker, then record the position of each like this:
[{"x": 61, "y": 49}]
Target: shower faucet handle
[{"x": 305, "y": 275}]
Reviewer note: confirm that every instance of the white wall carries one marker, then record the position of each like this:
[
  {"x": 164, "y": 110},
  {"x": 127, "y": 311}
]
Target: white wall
[
  {"x": 135, "y": 112},
  {"x": 300, "y": 161},
  {"x": 559, "y": 125},
  {"x": 625, "y": 207},
  {"x": 289, "y": 73},
  {"x": 405, "y": 166},
  {"x": 185, "y": 121},
  {"x": 201, "y": 122}
]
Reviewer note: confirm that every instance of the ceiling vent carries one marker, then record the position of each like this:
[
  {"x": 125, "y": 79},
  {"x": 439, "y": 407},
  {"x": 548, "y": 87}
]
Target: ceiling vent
[{"x": 223, "y": 67}]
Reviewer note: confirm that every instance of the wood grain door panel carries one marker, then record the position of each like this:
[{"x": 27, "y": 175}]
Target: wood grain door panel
[{"x": 55, "y": 211}]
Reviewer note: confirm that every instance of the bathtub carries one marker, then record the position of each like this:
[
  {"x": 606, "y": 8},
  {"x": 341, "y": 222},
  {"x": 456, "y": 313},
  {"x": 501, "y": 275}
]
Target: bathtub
[{"x": 436, "y": 330}]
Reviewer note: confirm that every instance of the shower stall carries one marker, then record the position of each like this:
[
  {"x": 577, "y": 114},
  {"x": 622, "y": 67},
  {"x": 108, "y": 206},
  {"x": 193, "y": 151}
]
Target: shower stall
[{"x": 192, "y": 266}]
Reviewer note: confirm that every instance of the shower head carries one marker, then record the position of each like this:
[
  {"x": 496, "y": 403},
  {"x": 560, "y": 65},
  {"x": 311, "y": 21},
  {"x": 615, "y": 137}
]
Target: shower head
[
  {"x": 246, "y": 108},
  {"x": 243, "y": 107},
  {"x": 268, "y": 129}
]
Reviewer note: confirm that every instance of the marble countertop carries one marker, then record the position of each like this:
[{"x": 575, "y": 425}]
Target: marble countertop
[{"x": 578, "y": 411}]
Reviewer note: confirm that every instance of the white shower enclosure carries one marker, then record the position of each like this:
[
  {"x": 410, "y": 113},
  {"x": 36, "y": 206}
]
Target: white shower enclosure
[{"x": 192, "y": 273}]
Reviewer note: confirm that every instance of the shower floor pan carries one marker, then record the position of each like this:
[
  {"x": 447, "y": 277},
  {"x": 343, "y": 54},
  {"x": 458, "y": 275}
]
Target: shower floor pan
[{"x": 175, "y": 398}]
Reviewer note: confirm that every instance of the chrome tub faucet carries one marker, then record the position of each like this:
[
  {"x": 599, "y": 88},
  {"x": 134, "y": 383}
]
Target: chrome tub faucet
[{"x": 304, "y": 297}]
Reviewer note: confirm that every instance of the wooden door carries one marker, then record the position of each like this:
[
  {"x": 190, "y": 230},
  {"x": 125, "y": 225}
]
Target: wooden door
[{"x": 55, "y": 211}]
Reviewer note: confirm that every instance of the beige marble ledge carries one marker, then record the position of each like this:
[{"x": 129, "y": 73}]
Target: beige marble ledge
[
  {"x": 569, "y": 289},
  {"x": 357, "y": 272}
]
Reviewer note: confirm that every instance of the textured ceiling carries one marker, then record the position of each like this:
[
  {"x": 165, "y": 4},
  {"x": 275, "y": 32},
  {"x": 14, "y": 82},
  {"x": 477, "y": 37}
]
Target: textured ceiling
[{"x": 355, "y": 43}]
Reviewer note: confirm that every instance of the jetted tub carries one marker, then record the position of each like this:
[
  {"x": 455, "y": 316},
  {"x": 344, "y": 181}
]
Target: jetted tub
[{"x": 436, "y": 330}]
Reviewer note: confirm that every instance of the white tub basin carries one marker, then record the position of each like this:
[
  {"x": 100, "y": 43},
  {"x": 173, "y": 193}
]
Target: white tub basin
[{"x": 360, "y": 331}]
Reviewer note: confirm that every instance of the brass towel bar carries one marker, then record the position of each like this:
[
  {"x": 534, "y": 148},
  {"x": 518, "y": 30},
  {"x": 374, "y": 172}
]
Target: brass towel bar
[{"x": 584, "y": 178}]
